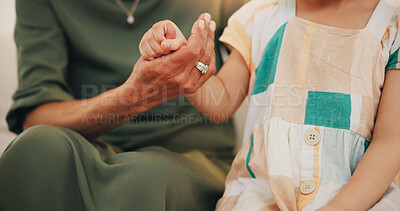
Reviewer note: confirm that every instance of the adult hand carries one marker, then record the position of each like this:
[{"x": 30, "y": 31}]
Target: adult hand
[
  {"x": 175, "y": 74},
  {"x": 150, "y": 83}
]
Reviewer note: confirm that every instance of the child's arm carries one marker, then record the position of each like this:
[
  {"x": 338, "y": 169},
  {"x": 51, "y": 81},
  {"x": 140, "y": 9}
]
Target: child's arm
[
  {"x": 381, "y": 162},
  {"x": 161, "y": 39},
  {"x": 221, "y": 95}
]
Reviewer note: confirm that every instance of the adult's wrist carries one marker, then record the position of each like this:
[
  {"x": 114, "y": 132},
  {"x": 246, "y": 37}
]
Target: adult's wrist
[{"x": 129, "y": 99}]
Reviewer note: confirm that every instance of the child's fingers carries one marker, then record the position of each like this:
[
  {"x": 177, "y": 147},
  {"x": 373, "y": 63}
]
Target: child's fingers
[
  {"x": 147, "y": 52},
  {"x": 159, "y": 30},
  {"x": 143, "y": 46},
  {"x": 174, "y": 44},
  {"x": 170, "y": 30},
  {"x": 174, "y": 37},
  {"x": 156, "y": 45}
]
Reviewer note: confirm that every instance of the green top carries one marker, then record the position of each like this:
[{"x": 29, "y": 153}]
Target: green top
[{"x": 77, "y": 49}]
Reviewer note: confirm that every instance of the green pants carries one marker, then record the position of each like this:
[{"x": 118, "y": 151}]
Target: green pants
[{"x": 52, "y": 168}]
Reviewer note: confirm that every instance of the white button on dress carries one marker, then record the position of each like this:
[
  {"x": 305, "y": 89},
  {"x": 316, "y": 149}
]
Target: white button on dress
[
  {"x": 312, "y": 137},
  {"x": 308, "y": 187}
]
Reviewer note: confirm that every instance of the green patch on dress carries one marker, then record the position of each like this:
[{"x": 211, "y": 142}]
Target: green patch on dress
[
  {"x": 248, "y": 158},
  {"x": 393, "y": 61},
  {"x": 265, "y": 72},
  {"x": 328, "y": 109}
]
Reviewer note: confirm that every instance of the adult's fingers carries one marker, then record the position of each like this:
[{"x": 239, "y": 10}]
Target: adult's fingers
[
  {"x": 193, "y": 82},
  {"x": 197, "y": 78},
  {"x": 211, "y": 71},
  {"x": 198, "y": 38},
  {"x": 195, "y": 44},
  {"x": 208, "y": 54},
  {"x": 209, "y": 49}
]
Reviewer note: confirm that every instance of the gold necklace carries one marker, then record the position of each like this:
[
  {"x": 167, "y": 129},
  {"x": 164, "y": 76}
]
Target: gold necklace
[{"x": 130, "y": 19}]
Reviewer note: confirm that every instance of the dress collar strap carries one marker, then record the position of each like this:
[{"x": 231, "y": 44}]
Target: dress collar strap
[
  {"x": 287, "y": 9},
  {"x": 380, "y": 19},
  {"x": 377, "y": 24}
]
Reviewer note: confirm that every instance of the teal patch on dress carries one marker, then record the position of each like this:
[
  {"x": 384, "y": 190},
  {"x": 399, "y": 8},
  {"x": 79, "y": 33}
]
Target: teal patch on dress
[
  {"x": 328, "y": 109},
  {"x": 393, "y": 61},
  {"x": 265, "y": 72},
  {"x": 248, "y": 158},
  {"x": 366, "y": 145}
]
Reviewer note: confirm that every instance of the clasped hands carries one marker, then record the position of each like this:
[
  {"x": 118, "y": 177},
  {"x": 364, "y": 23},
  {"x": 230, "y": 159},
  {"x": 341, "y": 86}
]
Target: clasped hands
[{"x": 166, "y": 68}]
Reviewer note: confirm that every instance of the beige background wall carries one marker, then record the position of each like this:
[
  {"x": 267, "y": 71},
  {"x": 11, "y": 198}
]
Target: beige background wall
[{"x": 8, "y": 65}]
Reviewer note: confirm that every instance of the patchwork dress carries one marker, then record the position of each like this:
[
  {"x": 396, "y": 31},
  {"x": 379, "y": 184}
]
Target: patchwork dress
[{"x": 315, "y": 91}]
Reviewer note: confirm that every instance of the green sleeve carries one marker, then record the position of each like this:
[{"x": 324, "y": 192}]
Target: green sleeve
[{"x": 42, "y": 60}]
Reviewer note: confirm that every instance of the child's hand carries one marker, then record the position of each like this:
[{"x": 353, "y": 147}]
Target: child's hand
[{"x": 161, "y": 39}]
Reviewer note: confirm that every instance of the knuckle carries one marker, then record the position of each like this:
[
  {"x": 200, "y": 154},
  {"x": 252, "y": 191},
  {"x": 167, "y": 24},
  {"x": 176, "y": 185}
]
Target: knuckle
[
  {"x": 149, "y": 53},
  {"x": 189, "y": 88},
  {"x": 178, "y": 81},
  {"x": 142, "y": 52},
  {"x": 149, "y": 39},
  {"x": 159, "y": 37},
  {"x": 185, "y": 87},
  {"x": 154, "y": 54},
  {"x": 158, "y": 71},
  {"x": 194, "y": 51},
  {"x": 202, "y": 51},
  {"x": 194, "y": 88},
  {"x": 207, "y": 60},
  {"x": 190, "y": 91},
  {"x": 156, "y": 26},
  {"x": 142, "y": 41}
]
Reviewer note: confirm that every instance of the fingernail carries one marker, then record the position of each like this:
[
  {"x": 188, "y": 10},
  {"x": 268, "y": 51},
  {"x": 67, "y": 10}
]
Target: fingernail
[
  {"x": 207, "y": 16},
  {"x": 201, "y": 24},
  {"x": 212, "y": 26}
]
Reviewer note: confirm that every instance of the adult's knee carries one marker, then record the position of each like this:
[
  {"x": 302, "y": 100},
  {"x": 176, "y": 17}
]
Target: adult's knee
[
  {"x": 40, "y": 159},
  {"x": 40, "y": 144}
]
